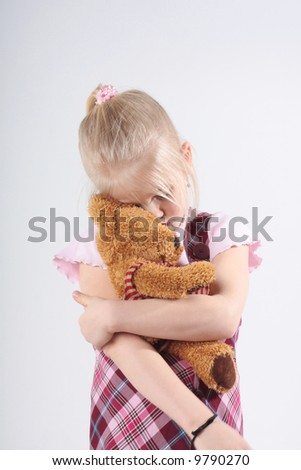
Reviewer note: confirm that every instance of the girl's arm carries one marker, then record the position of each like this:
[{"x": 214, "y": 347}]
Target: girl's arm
[
  {"x": 196, "y": 318},
  {"x": 154, "y": 379}
]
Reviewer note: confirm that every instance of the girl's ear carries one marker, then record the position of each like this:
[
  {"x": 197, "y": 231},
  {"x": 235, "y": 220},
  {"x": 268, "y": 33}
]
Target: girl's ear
[{"x": 186, "y": 151}]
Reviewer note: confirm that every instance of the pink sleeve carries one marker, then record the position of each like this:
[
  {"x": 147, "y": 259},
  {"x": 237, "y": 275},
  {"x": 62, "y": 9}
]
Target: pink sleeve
[
  {"x": 220, "y": 238},
  {"x": 75, "y": 252}
]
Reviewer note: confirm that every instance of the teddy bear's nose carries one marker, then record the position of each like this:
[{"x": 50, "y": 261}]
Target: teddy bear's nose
[{"x": 177, "y": 242}]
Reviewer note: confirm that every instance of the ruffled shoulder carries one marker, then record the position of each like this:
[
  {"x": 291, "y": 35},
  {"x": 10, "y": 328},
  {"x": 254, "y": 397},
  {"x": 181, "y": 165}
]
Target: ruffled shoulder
[
  {"x": 67, "y": 260},
  {"x": 225, "y": 232}
]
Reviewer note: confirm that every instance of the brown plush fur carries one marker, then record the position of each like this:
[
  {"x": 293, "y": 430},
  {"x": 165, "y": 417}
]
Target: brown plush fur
[{"x": 127, "y": 234}]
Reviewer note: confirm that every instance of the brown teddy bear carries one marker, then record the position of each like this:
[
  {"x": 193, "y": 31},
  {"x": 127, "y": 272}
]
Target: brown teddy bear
[{"x": 141, "y": 256}]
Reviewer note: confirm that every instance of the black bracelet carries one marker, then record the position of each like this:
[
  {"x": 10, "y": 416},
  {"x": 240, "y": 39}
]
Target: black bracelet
[{"x": 201, "y": 428}]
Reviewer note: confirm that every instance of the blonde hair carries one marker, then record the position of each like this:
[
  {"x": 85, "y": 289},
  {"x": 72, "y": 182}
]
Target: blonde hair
[{"x": 119, "y": 137}]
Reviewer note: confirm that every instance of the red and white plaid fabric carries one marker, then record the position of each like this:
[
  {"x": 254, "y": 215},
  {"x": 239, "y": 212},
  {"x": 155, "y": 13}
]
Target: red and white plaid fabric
[{"x": 122, "y": 419}]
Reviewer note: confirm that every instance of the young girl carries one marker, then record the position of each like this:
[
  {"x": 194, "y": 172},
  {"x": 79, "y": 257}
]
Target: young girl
[{"x": 143, "y": 398}]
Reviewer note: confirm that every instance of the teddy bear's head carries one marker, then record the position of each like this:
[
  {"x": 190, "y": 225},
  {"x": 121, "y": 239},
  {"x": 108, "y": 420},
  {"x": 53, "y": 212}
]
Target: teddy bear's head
[{"x": 128, "y": 231}]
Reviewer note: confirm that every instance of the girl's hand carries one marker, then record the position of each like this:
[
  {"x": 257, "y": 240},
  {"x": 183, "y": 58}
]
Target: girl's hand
[
  {"x": 220, "y": 436},
  {"x": 96, "y": 319}
]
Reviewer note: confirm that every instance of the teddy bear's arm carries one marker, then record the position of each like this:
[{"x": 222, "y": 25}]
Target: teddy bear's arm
[{"x": 172, "y": 282}]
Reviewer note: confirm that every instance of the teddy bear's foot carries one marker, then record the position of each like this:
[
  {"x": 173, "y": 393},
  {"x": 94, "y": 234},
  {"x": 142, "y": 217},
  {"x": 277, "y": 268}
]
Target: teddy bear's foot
[
  {"x": 213, "y": 361},
  {"x": 224, "y": 373}
]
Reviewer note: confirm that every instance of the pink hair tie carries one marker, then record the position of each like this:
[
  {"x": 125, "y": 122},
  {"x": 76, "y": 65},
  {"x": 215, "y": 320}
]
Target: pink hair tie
[{"x": 105, "y": 93}]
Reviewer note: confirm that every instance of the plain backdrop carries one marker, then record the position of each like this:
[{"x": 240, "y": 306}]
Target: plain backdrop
[{"x": 228, "y": 72}]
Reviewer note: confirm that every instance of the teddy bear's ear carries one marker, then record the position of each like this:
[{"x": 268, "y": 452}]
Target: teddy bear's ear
[
  {"x": 104, "y": 209},
  {"x": 99, "y": 204}
]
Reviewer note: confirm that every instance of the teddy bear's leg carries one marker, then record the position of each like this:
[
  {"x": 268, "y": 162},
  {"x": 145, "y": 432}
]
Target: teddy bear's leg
[
  {"x": 213, "y": 362},
  {"x": 224, "y": 372}
]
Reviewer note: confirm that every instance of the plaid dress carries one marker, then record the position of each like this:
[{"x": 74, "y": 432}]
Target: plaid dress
[{"x": 122, "y": 419}]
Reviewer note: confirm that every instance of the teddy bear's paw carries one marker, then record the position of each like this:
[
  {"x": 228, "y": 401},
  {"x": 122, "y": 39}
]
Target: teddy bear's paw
[
  {"x": 224, "y": 372},
  {"x": 201, "y": 272}
]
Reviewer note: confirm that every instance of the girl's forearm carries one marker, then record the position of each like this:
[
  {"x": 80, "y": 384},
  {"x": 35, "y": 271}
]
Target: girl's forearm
[
  {"x": 156, "y": 381},
  {"x": 196, "y": 318}
]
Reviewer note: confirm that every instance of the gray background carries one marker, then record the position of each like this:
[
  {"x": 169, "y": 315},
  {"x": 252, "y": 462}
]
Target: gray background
[{"x": 229, "y": 74}]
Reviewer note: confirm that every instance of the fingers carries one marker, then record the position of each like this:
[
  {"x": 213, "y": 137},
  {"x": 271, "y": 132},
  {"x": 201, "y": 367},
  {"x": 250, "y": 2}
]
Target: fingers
[
  {"x": 83, "y": 328},
  {"x": 81, "y": 298},
  {"x": 81, "y": 323}
]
